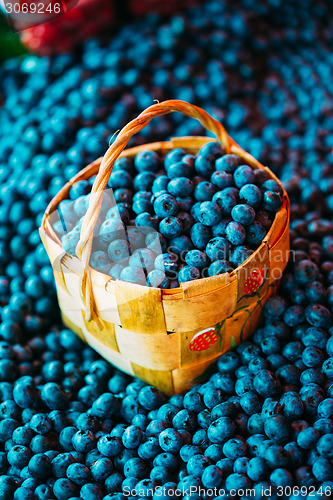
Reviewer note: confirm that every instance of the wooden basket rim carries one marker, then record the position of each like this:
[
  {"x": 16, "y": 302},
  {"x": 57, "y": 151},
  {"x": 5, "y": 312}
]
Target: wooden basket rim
[{"x": 163, "y": 146}]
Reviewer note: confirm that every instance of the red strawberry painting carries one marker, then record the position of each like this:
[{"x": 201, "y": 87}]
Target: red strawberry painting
[
  {"x": 203, "y": 340},
  {"x": 254, "y": 281}
]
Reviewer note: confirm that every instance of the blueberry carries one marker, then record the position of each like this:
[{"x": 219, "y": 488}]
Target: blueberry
[
  {"x": 195, "y": 209},
  {"x": 203, "y": 166},
  {"x": 150, "y": 398},
  {"x": 109, "y": 446},
  {"x": 235, "y": 233},
  {"x": 234, "y": 448},
  {"x": 293, "y": 316},
  {"x": 165, "y": 205},
  {"x": 39, "y": 466},
  {"x": 307, "y": 438},
  {"x": 196, "y": 258},
  {"x": 200, "y": 235},
  {"x": 7, "y": 487},
  {"x": 226, "y": 200},
  {"x": 328, "y": 368},
  {"x": 78, "y": 189},
  {"x": 143, "y": 181},
  {"x": 257, "y": 469},
  {"x": 292, "y": 406},
  {"x": 123, "y": 196},
  {"x": 19, "y": 456},
  {"x": 250, "y": 403},
  {"x": 255, "y": 234},
  {"x": 184, "y": 204},
  {"x": 69, "y": 241},
  {"x": 228, "y": 163},
  {"x": 135, "y": 237},
  {"x": 312, "y": 357},
  {"x": 142, "y": 195},
  {"x": 78, "y": 473},
  {"x": 197, "y": 464},
  {"x": 132, "y": 274},
  {"x": 281, "y": 477},
  {"x": 267, "y": 384},
  {"x": 271, "y": 185},
  {"x": 112, "y": 484},
  {"x": 101, "y": 469},
  {"x": 322, "y": 469},
  {"x": 170, "y": 440},
  {"x": 188, "y": 273},
  {"x": 156, "y": 242},
  {"x": 54, "y": 396},
  {"x": 265, "y": 218},
  {"x": 211, "y": 477},
  {"x": 209, "y": 213},
  {"x": 315, "y": 292},
  {"x": 243, "y": 175},
  {"x": 142, "y": 258},
  {"x": 221, "y": 430},
  {"x": 145, "y": 220},
  {"x": 167, "y": 460},
  {"x": 325, "y": 408},
  {"x": 160, "y": 183},
  {"x": 180, "y": 186},
  {"x": 240, "y": 254},
  {"x": 277, "y": 428},
  {"x": 141, "y": 206},
  {"x": 251, "y": 195},
  {"x": 100, "y": 261},
  {"x": 222, "y": 179},
  {"x": 261, "y": 176},
  {"x": 40, "y": 423},
  {"x": 179, "y": 169},
  {"x": 324, "y": 446},
  {"x": 272, "y": 202},
  {"x": 220, "y": 228},
  {"x": 237, "y": 481},
  {"x": 170, "y": 227},
  {"x": 147, "y": 160},
  {"x": 111, "y": 230},
  {"x": 180, "y": 245},
  {"x": 243, "y": 214},
  {"x": 318, "y": 315},
  {"x": 184, "y": 419},
  {"x": 214, "y": 452},
  {"x": 157, "y": 279},
  {"x": 167, "y": 262},
  {"x": 149, "y": 449},
  {"x": 120, "y": 179},
  {"x": 204, "y": 191},
  {"x": 275, "y": 456},
  {"x": 217, "y": 249}
]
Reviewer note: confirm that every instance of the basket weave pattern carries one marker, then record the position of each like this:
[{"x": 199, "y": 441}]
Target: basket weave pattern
[{"x": 165, "y": 337}]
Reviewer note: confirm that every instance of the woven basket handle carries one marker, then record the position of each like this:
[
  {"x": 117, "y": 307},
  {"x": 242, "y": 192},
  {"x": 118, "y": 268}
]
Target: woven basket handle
[{"x": 83, "y": 248}]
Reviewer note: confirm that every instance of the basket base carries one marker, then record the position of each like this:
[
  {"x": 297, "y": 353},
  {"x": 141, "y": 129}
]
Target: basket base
[{"x": 180, "y": 379}]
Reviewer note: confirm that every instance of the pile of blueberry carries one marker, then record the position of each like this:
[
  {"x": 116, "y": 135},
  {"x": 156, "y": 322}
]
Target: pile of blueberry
[
  {"x": 72, "y": 427},
  {"x": 200, "y": 216}
]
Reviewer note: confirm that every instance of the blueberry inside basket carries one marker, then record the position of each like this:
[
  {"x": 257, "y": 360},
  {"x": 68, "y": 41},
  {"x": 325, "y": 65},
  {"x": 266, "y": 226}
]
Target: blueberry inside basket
[{"x": 166, "y": 310}]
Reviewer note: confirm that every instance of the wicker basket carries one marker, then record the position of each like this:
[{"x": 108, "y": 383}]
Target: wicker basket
[{"x": 168, "y": 338}]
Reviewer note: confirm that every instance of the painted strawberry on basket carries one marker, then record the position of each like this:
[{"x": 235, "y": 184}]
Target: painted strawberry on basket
[
  {"x": 254, "y": 282},
  {"x": 206, "y": 338}
]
